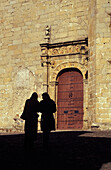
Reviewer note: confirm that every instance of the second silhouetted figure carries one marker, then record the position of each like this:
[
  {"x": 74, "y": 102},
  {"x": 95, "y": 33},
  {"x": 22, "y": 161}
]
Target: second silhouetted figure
[{"x": 47, "y": 108}]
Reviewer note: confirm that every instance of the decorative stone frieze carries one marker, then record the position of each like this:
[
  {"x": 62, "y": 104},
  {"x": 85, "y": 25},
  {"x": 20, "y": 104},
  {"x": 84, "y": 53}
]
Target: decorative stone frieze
[{"x": 65, "y": 48}]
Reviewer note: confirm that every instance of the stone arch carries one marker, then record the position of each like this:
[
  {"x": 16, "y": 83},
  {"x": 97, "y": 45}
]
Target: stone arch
[{"x": 66, "y": 65}]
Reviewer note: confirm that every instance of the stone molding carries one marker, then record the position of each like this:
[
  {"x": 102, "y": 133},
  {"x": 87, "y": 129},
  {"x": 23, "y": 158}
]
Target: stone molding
[
  {"x": 64, "y": 48},
  {"x": 66, "y": 65}
]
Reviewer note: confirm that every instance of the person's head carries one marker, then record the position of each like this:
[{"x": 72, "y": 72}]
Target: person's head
[
  {"x": 34, "y": 96},
  {"x": 45, "y": 96}
]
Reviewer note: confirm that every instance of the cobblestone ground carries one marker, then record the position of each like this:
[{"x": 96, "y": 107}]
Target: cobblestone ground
[{"x": 70, "y": 150}]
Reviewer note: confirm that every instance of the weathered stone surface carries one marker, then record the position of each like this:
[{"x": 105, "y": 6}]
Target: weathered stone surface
[{"x": 22, "y": 30}]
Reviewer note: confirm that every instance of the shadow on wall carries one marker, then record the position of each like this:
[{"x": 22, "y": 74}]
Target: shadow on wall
[{"x": 67, "y": 150}]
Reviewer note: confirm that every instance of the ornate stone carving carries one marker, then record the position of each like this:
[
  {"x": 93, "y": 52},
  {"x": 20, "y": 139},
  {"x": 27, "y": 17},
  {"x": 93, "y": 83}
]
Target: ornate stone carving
[
  {"x": 44, "y": 51},
  {"x": 49, "y": 51},
  {"x": 47, "y": 33},
  {"x": 62, "y": 66},
  {"x": 59, "y": 49}
]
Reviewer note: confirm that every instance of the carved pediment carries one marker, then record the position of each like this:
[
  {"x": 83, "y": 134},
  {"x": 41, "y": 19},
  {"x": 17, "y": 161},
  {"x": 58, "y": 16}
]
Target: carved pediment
[{"x": 63, "y": 49}]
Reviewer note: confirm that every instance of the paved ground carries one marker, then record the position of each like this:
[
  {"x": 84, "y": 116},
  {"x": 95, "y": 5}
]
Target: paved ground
[{"x": 72, "y": 150}]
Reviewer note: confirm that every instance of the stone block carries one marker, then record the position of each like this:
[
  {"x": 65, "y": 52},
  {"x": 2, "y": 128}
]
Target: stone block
[
  {"x": 12, "y": 47},
  {"x": 16, "y": 42}
]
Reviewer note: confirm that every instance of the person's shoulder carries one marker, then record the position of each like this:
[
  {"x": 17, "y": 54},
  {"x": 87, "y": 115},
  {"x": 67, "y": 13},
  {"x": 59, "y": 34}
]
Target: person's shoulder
[
  {"x": 52, "y": 101},
  {"x": 38, "y": 103},
  {"x": 42, "y": 101}
]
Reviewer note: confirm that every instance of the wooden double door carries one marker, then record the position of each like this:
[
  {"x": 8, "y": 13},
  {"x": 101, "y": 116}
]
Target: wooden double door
[{"x": 70, "y": 100}]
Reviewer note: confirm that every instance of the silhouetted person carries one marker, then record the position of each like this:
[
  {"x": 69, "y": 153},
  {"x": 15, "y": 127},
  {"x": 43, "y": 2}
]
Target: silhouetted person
[
  {"x": 31, "y": 118},
  {"x": 47, "y": 108}
]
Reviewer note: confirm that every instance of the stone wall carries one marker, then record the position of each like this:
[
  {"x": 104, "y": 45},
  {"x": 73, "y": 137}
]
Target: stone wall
[
  {"x": 100, "y": 64},
  {"x": 22, "y": 30},
  {"x": 92, "y": 62},
  {"x": 103, "y": 64}
]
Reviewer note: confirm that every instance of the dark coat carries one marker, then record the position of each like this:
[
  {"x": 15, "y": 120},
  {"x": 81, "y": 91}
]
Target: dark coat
[
  {"x": 31, "y": 117},
  {"x": 47, "y": 108}
]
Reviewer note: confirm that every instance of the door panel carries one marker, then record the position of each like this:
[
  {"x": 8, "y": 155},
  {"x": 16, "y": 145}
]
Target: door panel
[{"x": 70, "y": 100}]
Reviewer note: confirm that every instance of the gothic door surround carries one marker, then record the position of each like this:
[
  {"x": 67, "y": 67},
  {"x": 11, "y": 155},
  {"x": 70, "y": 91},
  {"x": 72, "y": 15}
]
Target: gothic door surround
[{"x": 70, "y": 100}]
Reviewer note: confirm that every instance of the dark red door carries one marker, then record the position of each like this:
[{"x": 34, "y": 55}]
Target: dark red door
[{"x": 70, "y": 100}]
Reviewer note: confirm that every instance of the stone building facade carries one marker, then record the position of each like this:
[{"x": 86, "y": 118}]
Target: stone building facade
[{"x": 40, "y": 41}]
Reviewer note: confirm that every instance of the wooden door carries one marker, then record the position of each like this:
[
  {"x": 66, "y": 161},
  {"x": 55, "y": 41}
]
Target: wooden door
[{"x": 70, "y": 100}]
